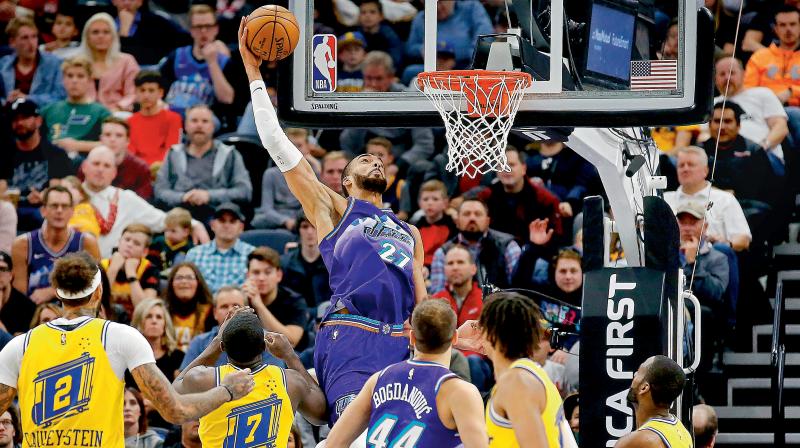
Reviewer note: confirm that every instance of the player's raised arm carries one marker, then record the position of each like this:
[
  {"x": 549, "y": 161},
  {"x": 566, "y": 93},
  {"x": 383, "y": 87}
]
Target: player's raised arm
[{"x": 317, "y": 199}]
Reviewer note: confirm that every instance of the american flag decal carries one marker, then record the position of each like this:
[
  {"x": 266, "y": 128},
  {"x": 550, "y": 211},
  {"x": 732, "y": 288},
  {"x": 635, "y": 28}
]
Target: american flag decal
[{"x": 654, "y": 75}]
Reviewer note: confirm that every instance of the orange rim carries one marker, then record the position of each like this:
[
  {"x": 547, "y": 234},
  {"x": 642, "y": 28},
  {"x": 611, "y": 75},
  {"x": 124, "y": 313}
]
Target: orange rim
[{"x": 454, "y": 79}]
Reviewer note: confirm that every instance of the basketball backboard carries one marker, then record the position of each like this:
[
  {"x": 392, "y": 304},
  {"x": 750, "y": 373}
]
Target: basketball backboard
[{"x": 607, "y": 68}]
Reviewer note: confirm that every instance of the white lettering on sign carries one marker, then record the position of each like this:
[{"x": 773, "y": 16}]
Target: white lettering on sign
[{"x": 619, "y": 340}]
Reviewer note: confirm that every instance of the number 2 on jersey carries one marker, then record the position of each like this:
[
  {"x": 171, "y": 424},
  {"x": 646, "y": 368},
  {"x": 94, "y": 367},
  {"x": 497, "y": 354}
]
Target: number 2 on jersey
[
  {"x": 408, "y": 438},
  {"x": 400, "y": 259}
]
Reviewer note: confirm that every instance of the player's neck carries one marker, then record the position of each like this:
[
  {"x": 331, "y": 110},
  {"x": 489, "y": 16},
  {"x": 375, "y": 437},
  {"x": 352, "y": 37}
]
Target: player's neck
[
  {"x": 373, "y": 198},
  {"x": 501, "y": 364},
  {"x": 252, "y": 365},
  {"x": 73, "y": 312},
  {"x": 646, "y": 411},
  {"x": 440, "y": 358}
]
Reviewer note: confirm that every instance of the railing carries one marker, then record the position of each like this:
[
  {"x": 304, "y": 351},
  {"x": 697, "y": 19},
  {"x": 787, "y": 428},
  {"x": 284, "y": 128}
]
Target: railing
[{"x": 778, "y": 355}]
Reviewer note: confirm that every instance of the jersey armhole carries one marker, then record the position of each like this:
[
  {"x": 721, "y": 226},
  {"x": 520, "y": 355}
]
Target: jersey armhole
[
  {"x": 660, "y": 436},
  {"x": 442, "y": 380},
  {"x": 351, "y": 203}
]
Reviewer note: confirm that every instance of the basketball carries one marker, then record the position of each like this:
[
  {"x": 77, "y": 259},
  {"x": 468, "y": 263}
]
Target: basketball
[{"x": 272, "y": 32}]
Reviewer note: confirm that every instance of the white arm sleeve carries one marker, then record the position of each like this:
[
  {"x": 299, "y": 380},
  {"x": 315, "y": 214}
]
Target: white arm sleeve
[
  {"x": 127, "y": 349},
  {"x": 280, "y": 148},
  {"x": 11, "y": 360}
]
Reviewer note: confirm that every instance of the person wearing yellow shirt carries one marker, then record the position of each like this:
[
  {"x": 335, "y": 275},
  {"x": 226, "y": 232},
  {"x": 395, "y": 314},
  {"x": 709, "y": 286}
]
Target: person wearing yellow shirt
[{"x": 263, "y": 417}]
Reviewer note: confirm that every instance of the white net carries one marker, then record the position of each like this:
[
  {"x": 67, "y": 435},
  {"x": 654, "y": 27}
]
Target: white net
[{"x": 478, "y": 110}]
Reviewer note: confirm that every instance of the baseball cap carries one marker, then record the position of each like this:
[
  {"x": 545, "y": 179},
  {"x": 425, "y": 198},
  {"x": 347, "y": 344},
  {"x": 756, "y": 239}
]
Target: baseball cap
[
  {"x": 693, "y": 208},
  {"x": 229, "y": 207},
  {"x": 24, "y": 107},
  {"x": 445, "y": 48},
  {"x": 351, "y": 37}
]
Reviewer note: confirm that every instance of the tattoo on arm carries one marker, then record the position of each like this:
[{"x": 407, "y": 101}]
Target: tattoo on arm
[
  {"x": 173, "y": 407},
  {"x": 7, "y": 394}
]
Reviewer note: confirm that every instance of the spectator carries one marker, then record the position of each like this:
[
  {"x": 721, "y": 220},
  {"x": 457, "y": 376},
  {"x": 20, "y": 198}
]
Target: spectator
[
  {"x": 765, "y": 120},
  {"x": 154, "y": 128},
  {"x": 134, "y": 413},
  {"x": 435, "y": 226},
  {"x": 496, "y": 253},
  {"x": 409, "y": 145},
  {"x": 189, "y": 301},
  {"x": 772, "y": 67},
  {"x": 347, "y": 12},
  {"x": 74, "y": 124},
  {"x": 294, "y": 440},
  {"x": 223, "y": 261},
  {"x": 133, "y": 278},
  {"x": 303, "y": 268},
  {"x": 195, "y": 73},
  {"x": 379, "y": 35},
  {"x": 333, "y": 164},
  {"x": 64, "y": 31},
  {"x": 117, "y": 208},
  {"x": 35, "y": 252},
  {"x": 279, "y": 208},
  {"x": 83, "y": 216},
  {"x": 34, "y": 162},
  {"x": 381, "y": 148},
  {"x": 704, "y": 421},
  {"x": 188, "y": 434},
  {"x": 44, "y": 313},
  {"x": 739, "y": 161},
  {"x": 563, "y": 281},
  {"x": 515, "y": 201},
  {"x": 205, "y": 172},
  {"x": 349, "y": 77},
  {"x": 225, "y": 300},
  {"x": 459, "y": 22},
  {"x": 16, "y": 309},
  {"x": 171, "y": 247},
  {"x": 10, "y": 428},
  {"x": 726, "y": 220},
  {"x": 112, "y": 71},
  {"x": 153, "y": 321},
  {"x": 461, "y": 290},
  {"x": 566, "y": 174},
  {"x": 8, "y": 225},
  {"x": 711, "y": 273},
  {"x": 145, "y": 35},
  {"x": 133, "y": 173},
  {"x": 761, "y": 32},
  {"x": 29, "y": 73},
  {"x": 280, "y": 310}
]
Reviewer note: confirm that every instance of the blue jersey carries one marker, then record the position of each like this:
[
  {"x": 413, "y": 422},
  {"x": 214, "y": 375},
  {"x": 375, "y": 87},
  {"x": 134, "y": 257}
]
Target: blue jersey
[
  {"x": 192, "y": 83},
  {"x": 370, "y": 258},
  {"x": 404, "y": 409},
  {"x": 41, "y": 258}
]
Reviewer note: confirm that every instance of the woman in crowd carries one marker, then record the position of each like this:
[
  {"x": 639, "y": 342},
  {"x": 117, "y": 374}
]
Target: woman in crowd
[
  {"x": 189, "y": 301},
  {"x": 152, "y": 320},
  {"x": 295, "y": 441},
  {"x": 45, "y": 313},
  {"x": 84, "y": 218},
  {"x": 113, "y": 71},
  {"x": 137, "y": 435}
]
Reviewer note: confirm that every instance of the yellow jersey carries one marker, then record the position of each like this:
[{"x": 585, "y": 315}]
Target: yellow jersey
[
  {"x": 262, "y": 418},
  {"x": 670, "y": 430},
  {"x": 501, "y": 433},
  {"x": 68, "y": 392}
]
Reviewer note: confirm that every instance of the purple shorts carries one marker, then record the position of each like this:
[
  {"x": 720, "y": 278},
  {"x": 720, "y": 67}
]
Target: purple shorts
[{"x": 348, "y": 350}]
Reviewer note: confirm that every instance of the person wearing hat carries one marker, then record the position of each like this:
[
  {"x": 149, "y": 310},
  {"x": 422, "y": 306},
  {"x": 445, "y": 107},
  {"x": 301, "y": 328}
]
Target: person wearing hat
[
  {"x": 203, "y": 172},
  {"x": 711, "y": 274},
  {"x": 223, "y": 261},
  {"x": 80, "y": 349},
  {"x": 34, "y": 164},
  {"x": 350, "y": 78}
]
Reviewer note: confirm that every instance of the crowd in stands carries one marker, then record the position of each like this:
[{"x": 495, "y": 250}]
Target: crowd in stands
[{"x": 116, "y": 124}]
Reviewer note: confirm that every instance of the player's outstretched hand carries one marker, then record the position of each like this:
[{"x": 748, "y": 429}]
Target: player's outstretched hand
[
  {"x": 469, "y": 337},
  {"x": 278, "y": 345},
  {"x": 248, "y": 57},
  {"x": 240, "y": 383}
]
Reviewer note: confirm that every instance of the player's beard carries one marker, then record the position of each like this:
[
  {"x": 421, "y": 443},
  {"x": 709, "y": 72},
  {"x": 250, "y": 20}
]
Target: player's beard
[
  {"x": 632, "y": 398},
  {"x": 371, "y": 184}
]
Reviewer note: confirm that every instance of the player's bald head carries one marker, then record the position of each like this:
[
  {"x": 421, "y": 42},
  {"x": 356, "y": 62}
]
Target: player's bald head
[{"x": 433, "y": 323}]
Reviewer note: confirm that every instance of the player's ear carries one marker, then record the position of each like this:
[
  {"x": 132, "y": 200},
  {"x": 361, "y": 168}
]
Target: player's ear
[
  {"x": 412, "y": 337},
  {"x": 454, "y": 339}
]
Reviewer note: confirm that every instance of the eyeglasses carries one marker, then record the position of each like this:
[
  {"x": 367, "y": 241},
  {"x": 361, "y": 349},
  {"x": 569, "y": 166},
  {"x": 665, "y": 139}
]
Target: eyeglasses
[
  {"x": 203, "y": 27},
  {"x": 185, "y": 278},
  {"x": 7, "y": 423},
  {"x": 5, "y": 269},
  {"x": 59, "y": 206}
]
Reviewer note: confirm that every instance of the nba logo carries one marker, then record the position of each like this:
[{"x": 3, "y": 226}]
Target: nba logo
[{"x": 323, "y": 79}]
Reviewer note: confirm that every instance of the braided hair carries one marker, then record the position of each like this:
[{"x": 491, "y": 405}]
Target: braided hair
[{"x": 512, "y": 323}]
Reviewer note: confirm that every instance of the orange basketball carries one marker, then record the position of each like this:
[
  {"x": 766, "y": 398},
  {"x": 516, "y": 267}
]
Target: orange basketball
[{"x": 272, "y": 32}]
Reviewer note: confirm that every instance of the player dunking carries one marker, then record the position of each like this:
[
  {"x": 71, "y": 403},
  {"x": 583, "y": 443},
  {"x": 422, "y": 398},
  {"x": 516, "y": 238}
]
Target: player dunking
[
  {"x": 656, "y": 384},
  {"x": 70, "y": 372},
  {"x": 419, "y": 402},
  {"x": 374, "y": 259}
]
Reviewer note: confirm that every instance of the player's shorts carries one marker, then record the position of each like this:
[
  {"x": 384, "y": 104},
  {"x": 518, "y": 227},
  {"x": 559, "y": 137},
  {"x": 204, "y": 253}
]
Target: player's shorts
[{"x": 348, "y": 350}]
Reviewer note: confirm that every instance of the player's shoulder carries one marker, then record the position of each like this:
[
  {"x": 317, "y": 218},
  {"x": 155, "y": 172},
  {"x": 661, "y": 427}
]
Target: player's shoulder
[{"x": 642, "y": 438}]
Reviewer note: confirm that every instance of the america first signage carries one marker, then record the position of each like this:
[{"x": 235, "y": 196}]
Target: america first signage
[{"x": 620, "y": 328}]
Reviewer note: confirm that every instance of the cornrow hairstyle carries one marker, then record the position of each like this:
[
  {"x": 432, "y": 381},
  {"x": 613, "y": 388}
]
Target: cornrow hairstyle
[{"x": 512, "y": 323}]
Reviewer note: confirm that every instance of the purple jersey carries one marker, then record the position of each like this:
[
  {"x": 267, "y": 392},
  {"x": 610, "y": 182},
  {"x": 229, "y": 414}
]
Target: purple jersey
[
  {"x": 370, "y": 258},
  {"x": 404, "y": 409}
]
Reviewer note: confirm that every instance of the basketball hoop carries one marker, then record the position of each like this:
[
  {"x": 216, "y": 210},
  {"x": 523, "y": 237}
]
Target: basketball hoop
[{"x": 478, "y": 109}]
